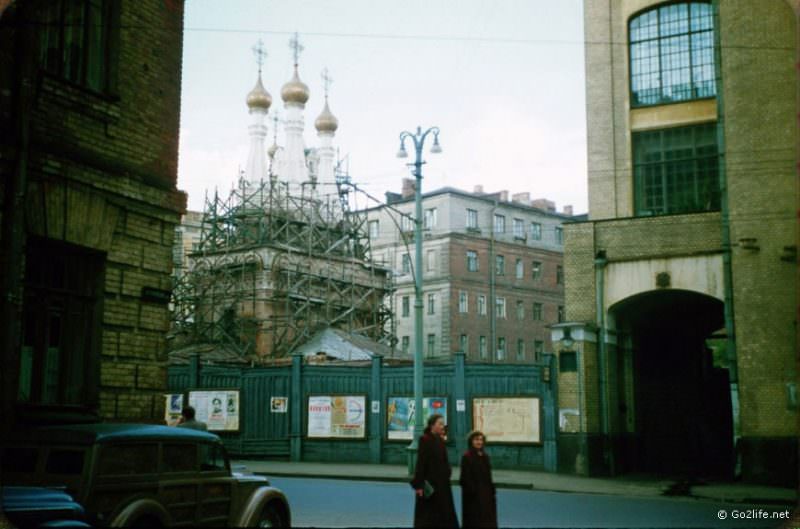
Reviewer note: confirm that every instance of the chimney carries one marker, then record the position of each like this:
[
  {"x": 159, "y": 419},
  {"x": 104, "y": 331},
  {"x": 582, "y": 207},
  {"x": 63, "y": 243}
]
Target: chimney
[
  {"x": 478, "y": 190},
  {"x": 543, "y": 203},
  {"x": 568, "y": 210},
  {"x": 408, "y": 188},
  {"x": 503, "y": 195},
  {"x": 521, "y": 198}
]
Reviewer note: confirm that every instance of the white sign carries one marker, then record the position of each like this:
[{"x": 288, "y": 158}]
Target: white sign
[
  {"x": 218, "y": 409},
  {"x": 278, "y": 404},
  {"x": 337, "y": 416},
  {"x": 319, "y": 416},
  {"x": 376, "y": 406},
  {"x": 461, "y": 405}
]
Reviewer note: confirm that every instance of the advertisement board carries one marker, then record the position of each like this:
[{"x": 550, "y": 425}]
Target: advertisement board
[
  {"x": 508, "y": 419},
  {"x": 172, "y": 408},
  {"x": 400, "y": 415},
  {"x": 337, "y": 417},
  {"x": 219, "y": 409}
]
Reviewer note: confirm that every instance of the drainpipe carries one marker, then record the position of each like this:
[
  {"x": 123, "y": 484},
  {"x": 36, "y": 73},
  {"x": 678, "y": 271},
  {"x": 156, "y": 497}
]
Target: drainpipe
[
  {"x": 492, "y": 308},
  {"x": 727, "y": 268},
  {"x": 599, "y": 269}
]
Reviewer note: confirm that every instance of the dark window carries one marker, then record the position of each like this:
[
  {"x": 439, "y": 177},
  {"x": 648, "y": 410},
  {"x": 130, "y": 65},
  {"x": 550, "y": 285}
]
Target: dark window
[
  {"x": 128, "y": 459},
  {"x": 536, "y": 270},
  {"x": 64, "y": 462},
  {"x": 406, "y": 263},
  {"x": 179, "y": 457},
  {"x": 559, "y": 275},
  {"x": 405, "y": 344},
  {"x": 472, "y": 261},
  {"x": 213, "y": 458},
  {"x": 672, "y": 54},
  {"x": 567, "y": 361},
  {"x": 561, "y": 314},
  {"x": 406, "y": 310},
  {"x": 19, "y": 459},
  {"x": 538, "y": 350},
  {"x": 75, "y": 39},
  {"x": 676, "y": 170},
  {"x": 61, "y": 323},
  {"x": 537, "y": 311},
  {"x": 500, "y": 265}
]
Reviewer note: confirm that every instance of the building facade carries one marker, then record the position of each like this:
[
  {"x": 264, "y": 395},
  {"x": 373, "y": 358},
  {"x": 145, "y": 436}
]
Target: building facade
[
  {"x": 89, "y": 114},
  {"x": 679, "y": 353},
  {"x": 492, "y": 271}
]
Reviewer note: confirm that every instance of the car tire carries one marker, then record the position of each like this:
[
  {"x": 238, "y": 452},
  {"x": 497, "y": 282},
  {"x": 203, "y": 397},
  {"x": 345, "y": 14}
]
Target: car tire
[{"x": 270, "y": 517}]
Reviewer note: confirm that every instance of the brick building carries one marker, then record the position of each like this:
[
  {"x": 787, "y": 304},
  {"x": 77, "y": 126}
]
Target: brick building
[
  {"x": 678, "y": 356},
  {"x": 89, "y": 113},
  {"x": 492, "y": 271}
]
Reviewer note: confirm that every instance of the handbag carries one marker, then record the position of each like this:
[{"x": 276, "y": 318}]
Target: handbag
[{"x": 427, "y": 490}]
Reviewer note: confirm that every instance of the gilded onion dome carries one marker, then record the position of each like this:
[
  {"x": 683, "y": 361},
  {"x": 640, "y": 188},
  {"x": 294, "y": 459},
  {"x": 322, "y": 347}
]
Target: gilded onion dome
[
  {"x": 259, "y": 97},
  {"x": 295, "y": 91},
  {"x": 326, "y": 122}
]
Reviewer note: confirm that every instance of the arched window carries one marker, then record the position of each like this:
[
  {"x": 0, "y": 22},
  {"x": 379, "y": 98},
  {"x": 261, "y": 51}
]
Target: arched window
[{"x": 672, "y": 54}]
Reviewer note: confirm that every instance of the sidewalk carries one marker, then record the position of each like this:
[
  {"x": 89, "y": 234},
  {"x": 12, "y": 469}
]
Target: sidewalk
[{"x": 542, "y": 481}]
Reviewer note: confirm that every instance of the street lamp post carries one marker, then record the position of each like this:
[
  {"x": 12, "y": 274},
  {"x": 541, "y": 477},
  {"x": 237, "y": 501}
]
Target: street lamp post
[{"x": 419, "y": 140}]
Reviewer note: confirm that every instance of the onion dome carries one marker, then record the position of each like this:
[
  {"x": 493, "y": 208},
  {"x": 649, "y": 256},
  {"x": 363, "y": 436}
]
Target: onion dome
[
  {"x": 259, "y": 97},
  {"x": 326, "y": 122},
  {"x": 295, "y": 91}
]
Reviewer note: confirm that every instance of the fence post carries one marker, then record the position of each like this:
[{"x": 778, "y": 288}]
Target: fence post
[
  {"x": 194, "y": 371},
  {"x": 296, "y": 409},
  {"x": 376, "y": 420},
  {"x": 550, "y": 385},
  {"x": 460, "y": 394}
]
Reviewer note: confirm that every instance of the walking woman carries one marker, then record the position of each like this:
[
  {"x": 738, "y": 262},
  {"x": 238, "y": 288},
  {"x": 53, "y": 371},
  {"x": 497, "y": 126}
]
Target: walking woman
[
  {"x": 434, "y": 505},
  {"x": 478, "y": 498}
]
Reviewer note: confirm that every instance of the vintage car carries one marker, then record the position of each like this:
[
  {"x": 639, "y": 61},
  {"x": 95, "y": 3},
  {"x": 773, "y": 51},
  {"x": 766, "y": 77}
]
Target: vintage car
[
  {"x": 133, "y": 475},
  {"x": 40, "y": 508}
]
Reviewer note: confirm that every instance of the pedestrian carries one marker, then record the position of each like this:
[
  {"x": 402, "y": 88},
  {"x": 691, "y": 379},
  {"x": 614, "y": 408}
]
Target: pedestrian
[
  {"x": 478, "y": 493},
  {"x": 187, "y": 420},
  {"x": 433, "y": 505}
]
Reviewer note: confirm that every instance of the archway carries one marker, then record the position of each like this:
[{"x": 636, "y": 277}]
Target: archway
[{"x": 681, "y": 399}]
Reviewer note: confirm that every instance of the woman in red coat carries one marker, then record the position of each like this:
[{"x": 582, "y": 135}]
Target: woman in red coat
[
  {"x": 434, "y": 507},
  {"x": 478, "y": 499}
]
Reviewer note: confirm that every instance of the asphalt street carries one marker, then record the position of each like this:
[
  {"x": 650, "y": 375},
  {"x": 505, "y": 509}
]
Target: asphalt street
[{"x": 341, "y": 503}]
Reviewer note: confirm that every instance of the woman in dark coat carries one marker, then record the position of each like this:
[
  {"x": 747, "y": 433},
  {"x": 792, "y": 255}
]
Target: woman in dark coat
[
  {"x": 478, "y": 499},
  {"x": 437, "y": 510}
]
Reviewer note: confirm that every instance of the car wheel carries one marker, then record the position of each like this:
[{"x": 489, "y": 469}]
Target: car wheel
[{"x": 270, "y": 517}]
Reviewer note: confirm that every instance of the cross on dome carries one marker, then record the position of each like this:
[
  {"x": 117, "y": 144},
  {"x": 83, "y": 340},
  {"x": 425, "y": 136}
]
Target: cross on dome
[
  {"x": 297, "y": 48},
  {"x": 260, "y": 53},
  {"x": 327, "y": 81}
]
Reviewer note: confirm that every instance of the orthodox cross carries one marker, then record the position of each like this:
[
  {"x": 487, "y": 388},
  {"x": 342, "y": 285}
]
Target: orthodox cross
[
  {"x": 297, "y": 48},
  {"x": 260, "y": 53},
  {"x": 327, "y": 81}
]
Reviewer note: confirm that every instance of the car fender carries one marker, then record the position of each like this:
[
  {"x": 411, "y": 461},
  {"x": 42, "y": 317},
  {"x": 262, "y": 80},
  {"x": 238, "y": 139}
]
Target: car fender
[
  {"x": 139, "y": 508},
  {"x": 257, "y": 500}
]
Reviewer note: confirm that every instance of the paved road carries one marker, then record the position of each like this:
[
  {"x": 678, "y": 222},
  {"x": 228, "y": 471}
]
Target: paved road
[{"x": 340, "y": 503}]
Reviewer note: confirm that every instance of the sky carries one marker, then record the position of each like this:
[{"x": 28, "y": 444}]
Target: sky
[{"x": 502, "y": 79}]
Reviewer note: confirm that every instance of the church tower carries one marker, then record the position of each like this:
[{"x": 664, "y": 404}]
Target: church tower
[{"x": 326, "y": 125}]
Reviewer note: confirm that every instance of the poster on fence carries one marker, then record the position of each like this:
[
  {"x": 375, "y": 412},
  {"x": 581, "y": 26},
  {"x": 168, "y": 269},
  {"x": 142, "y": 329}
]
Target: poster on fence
[
  {"x": 337, "y": 417},
  {"x": 219, "y": 409},
  {"x": 507, "y": 419},
  {"x": 172, "y": 408},
  {"x": 401, "y": 415}
]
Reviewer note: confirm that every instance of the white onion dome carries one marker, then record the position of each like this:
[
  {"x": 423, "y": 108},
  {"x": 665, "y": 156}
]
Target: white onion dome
[
  {"x": 326, "y": 122},
  {"x": 295, "y": 91},
  {"x": 259, "y": 97}
]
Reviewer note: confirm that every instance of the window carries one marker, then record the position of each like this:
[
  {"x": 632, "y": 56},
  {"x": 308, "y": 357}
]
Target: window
[
  {"x": 404, "y": 341},
  {"x": 672, "y": 54},
  {"x": 65, "y": 462},
  {"x": 472, "y": 219},
  {"x": 500, "y": 305},
  {"x": 179, "y": 457},
  {"x": 482, "y": 347},
  {"x": 500, "y": 265},
  {"x": 406, "y": 224},
  {"x": 472, "y": 261},
  {"x": 431, "y": 345},
  {"x": 482, "y": 305},
  {"x": 431, "y": 259},
  {"x": 463, "y": 302},
  {"x": 520, "y": 349},
  {"x": 212, "y": 459},
  {"x": 61, "y": 330},
  {"x": 537, "y": 311},
  {"x": 536, "y": 270},
  {"x": 536, "y": 231},
  {"x": 406, "y": 264},
  {"x": 675, "y": 170},
  {"x": 128, "y": 459},
  {"x": 519, "y": 229},
  {"x": 501, "y": 348},
  {"x": 463, "y": 343},
  {"x": 561, "y": 315},
  {"x": 19, "y": 459},
  {"x": 567, "y": 361},
  {"x": 520, "y": 310},
  {"x": 559, "y": 235},
  {"x": 520, "y": 269},
  {"x": 429, "y": 219},
  {"x": 374, "y": 229},
  {"x": 406, "y": 306},
  {"x": 559, "y": 275},
  {"x": 74, "y": 41},
  {"x": 538, "y": 350},
  {"x": 431, "y": 303},
  {"x": 499, "y": 223}
]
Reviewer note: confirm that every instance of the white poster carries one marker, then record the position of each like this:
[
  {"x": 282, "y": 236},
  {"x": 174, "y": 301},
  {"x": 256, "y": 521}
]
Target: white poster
[
  {"x": 218, "y": 409},
  {"x": 319, "y": 416},
  {"x": 343, "y": 417}
]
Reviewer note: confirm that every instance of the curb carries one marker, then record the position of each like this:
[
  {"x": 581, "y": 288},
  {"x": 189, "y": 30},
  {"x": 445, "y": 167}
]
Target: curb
[{"x": 386, "y": 479}]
